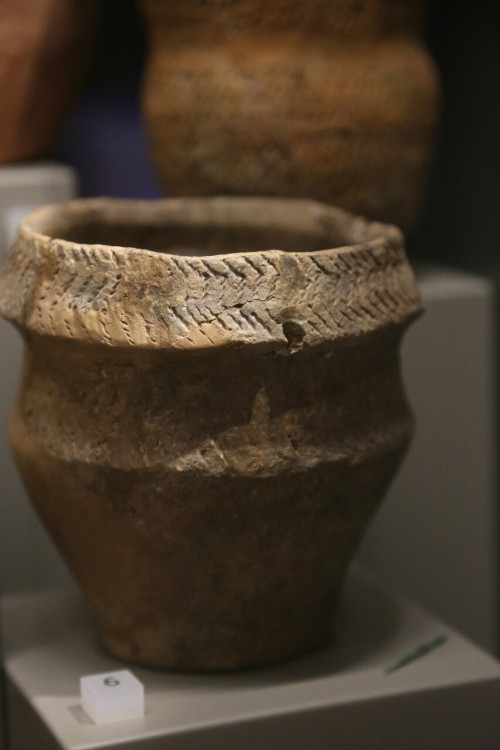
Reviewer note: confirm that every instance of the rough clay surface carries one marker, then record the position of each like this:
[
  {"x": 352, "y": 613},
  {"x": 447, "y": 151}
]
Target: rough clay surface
[
  {"x": 334, "y": 100},
  {"x": 206, "y": 436}
]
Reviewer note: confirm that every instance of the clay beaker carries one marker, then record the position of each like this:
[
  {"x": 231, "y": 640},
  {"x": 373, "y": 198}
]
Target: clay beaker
[{"x": 211, "y": 411}]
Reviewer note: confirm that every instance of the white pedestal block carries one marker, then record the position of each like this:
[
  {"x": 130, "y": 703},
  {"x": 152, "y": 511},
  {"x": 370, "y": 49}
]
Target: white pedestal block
[
  {"x": 348, "y": 696},
  {"x": 26, "y": 558},
  {"x": 24, "y": 187},
  {"x": 435, "y": 537}
]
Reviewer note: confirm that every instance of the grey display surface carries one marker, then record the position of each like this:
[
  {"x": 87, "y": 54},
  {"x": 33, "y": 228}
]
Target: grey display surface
[
  {"x": 342, "y": 696},
  {"x": 24, "y": 187},
  {"x": 435, "y": 537},
  {"x": 26, "y": 558}
]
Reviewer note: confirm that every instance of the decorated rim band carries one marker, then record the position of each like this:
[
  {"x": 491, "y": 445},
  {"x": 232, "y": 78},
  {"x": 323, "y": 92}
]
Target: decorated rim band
[{"x": 59, "y": 284}]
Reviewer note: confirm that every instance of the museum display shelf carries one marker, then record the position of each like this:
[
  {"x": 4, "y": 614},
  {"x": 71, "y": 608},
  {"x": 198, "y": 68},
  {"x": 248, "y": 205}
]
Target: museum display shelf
[
  {"x": 434, "y": 539},
  {"x": 393, "y": 677},
  {"x": 26, "y": 559}
]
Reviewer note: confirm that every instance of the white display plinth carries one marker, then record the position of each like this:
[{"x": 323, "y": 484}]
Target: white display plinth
[
  {"x": 24, "y": 187},
  {"x": 26, "y": 558},
  {"x": 343, "y": 697},
  {"x": 435, "y": 537}
]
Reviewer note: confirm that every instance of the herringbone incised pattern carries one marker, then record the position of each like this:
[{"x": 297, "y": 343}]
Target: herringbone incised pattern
[{"x": 99, "y": 293}]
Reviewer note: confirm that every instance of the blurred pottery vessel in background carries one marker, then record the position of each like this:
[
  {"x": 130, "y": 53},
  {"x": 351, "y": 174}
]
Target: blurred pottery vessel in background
[
  {"x": 44, "y": 49},
  {"x": 334, "y": 100}
]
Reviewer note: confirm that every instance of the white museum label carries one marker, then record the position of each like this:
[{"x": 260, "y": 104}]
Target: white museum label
[{"x": 112, "y": 696}]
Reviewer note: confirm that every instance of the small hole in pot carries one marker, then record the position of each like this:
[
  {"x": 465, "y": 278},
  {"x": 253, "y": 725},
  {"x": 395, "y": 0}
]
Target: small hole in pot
[{"x": 294, "y": 334}]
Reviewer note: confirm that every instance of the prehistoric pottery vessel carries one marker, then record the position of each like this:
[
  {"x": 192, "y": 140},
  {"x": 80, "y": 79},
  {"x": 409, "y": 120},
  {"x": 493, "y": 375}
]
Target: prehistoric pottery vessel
[
  {"x": 206, "y": 425},
  {"x": 334, "y": 100},
  {"x": 44, "y": 49}
]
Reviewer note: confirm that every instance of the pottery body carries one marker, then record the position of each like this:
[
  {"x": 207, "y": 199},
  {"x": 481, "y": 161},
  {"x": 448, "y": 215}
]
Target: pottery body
[
  {"x": 327, "y": 99},
  {"x": 205, "y": 425}
]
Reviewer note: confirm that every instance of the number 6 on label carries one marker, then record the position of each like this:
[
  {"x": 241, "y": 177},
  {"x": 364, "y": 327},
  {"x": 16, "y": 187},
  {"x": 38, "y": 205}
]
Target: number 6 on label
[
  {"x": 111, "y": 681},
  {"x": 112, "y": 696}
]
